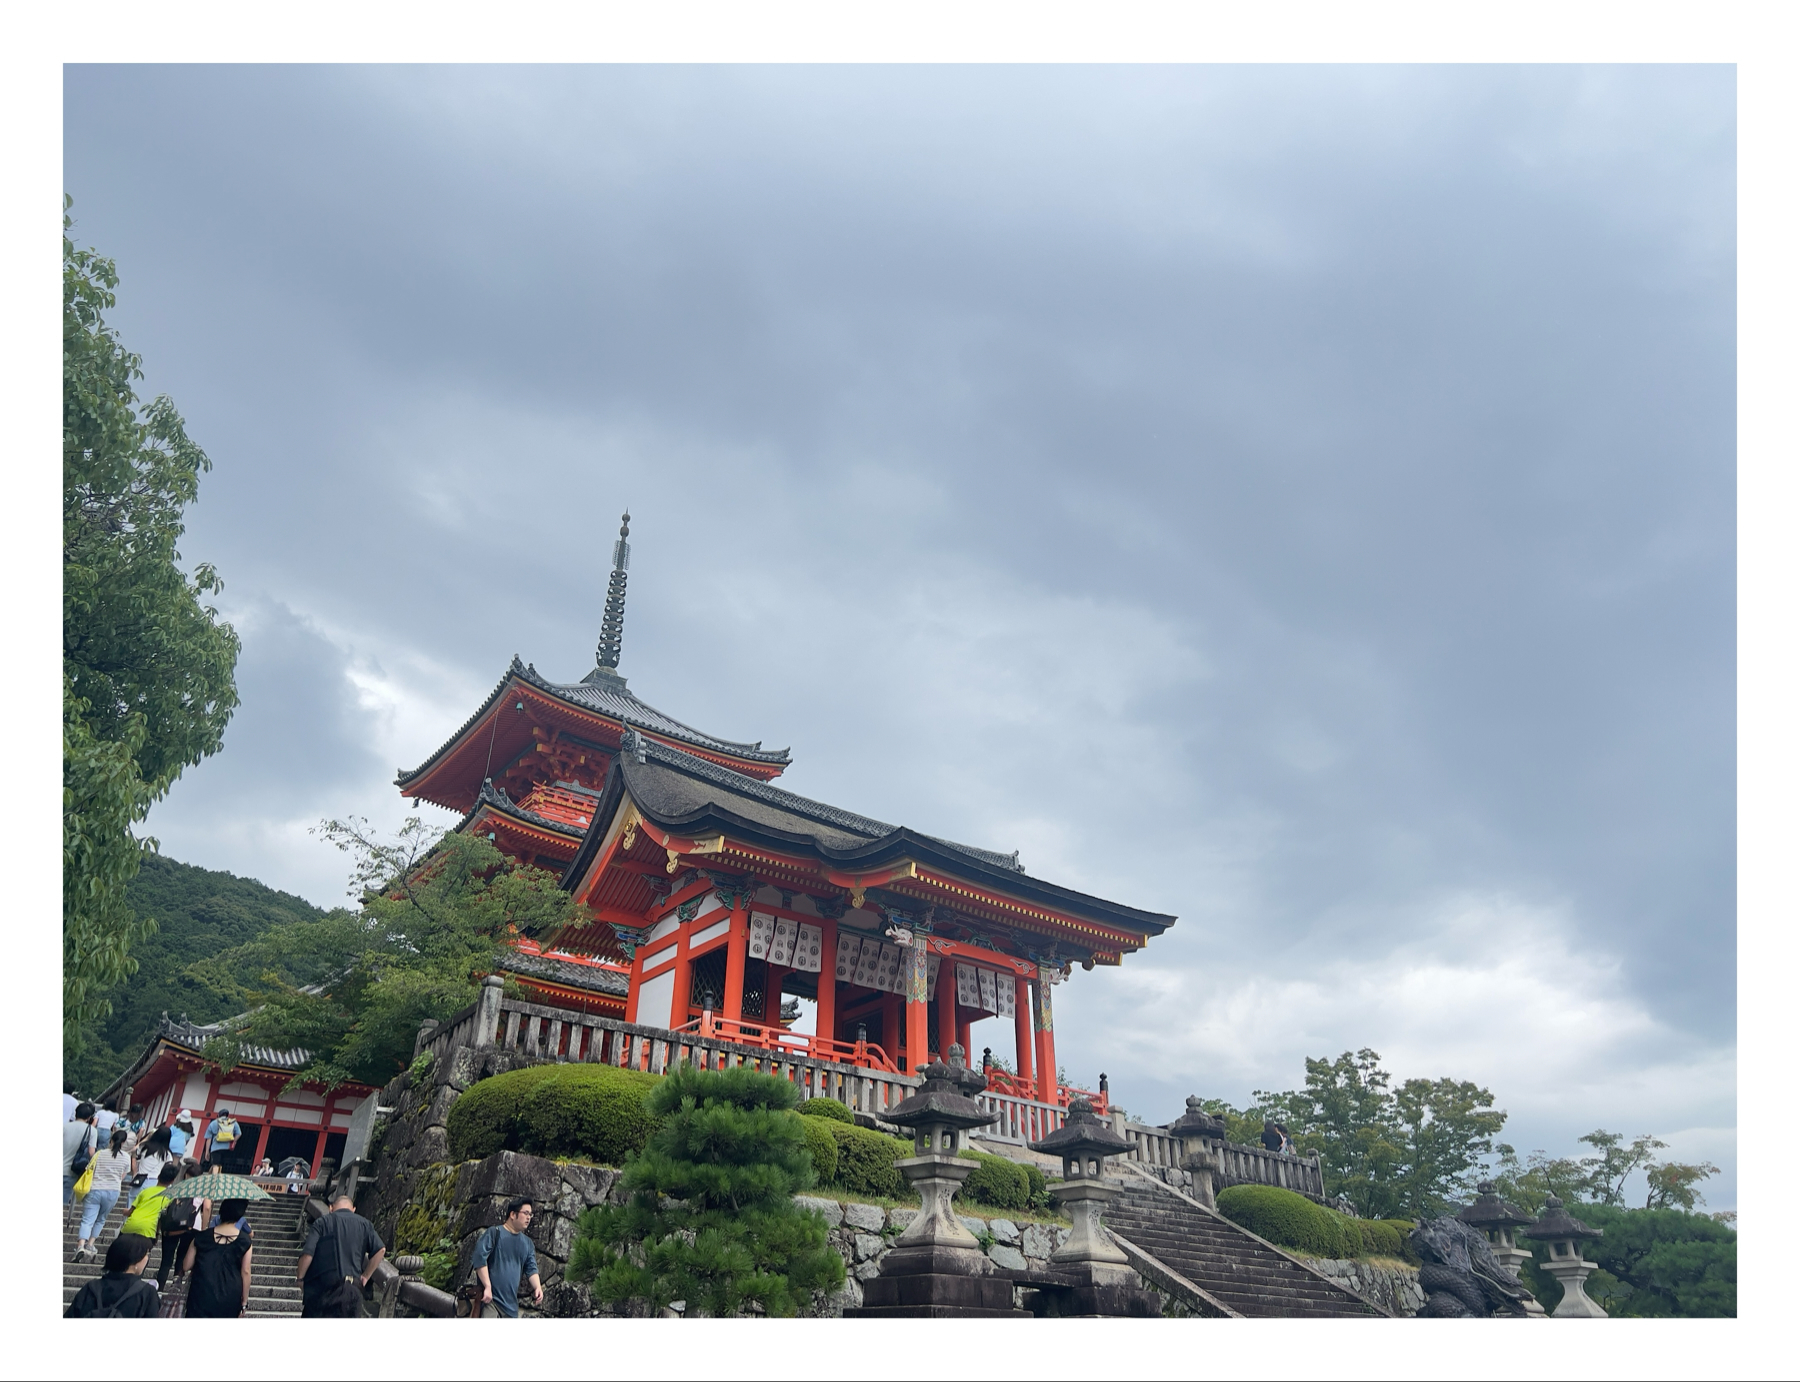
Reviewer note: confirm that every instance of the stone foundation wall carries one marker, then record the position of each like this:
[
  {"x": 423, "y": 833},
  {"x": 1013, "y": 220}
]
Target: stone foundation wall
[
  {"x": 411, "y": 1146},
  {"x": 1392, "y": 1286},
  {"x": 464, "y": 1201}
]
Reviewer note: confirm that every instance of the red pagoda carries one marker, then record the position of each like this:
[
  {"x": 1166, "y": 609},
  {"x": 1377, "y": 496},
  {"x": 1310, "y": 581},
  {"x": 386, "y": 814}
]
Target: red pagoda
[{"x": 712, "y": 894}]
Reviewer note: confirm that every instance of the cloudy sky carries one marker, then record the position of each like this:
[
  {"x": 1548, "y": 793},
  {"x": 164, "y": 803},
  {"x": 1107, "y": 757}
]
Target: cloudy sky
[{"x": 1301, "y": 500}]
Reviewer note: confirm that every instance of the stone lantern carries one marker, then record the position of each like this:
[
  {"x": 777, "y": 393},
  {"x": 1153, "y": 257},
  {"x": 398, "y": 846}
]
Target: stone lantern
[
  {"x": 1202, "y": 1137},
  {"x": 1084, "y": 1143},
  {"x": 1088, "y": 1275},
  {"x": 1499, "y": 1220},
  {"x": 1564, "y": 1235},
  {"x": 936, "y": 1268}
]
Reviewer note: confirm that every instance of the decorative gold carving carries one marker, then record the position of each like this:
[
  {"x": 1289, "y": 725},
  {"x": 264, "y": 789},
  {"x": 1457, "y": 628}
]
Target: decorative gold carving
[
  {"x": 674, "y": 859},
  {"x": 628, "y": 837},
  {"x": 856, "y": 897},
  {"x": 712, "y": 844}
]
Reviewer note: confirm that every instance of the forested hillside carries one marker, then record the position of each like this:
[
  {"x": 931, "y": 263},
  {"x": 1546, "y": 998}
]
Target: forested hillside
[{"x": 198, "y": 912}]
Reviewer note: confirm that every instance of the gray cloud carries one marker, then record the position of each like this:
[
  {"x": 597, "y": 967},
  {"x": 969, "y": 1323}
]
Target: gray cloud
[{"x": 1300, "y": 499}]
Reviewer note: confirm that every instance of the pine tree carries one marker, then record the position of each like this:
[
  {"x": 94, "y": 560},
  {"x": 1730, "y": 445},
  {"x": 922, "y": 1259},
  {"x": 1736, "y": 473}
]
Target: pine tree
[{"x": 711, "y": 1219}]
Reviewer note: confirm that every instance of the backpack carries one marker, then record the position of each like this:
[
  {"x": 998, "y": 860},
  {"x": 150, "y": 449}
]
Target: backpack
[
  {"x": 177, "y": 1216},
  {"x": 228, "y": 1130},
  {"x": 83, "y": 1154}
]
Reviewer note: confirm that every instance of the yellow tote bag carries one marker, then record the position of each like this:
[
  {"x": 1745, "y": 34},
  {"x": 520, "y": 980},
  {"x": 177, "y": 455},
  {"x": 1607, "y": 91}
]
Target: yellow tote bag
[{"x": 86, "y": 1182}]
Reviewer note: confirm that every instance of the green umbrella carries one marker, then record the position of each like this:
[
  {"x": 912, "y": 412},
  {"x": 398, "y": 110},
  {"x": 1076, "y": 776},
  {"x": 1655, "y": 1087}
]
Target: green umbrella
[{"x": 217, "y": 1186}]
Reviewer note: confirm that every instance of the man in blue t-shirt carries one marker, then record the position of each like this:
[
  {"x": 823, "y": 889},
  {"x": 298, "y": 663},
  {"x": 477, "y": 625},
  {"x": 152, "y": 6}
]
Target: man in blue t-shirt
[{"x": 504, "y": 1256}]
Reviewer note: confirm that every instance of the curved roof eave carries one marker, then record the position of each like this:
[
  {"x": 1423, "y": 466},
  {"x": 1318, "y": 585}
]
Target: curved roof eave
[
  {"x": 493, "y": 797},
  {"x": 926, "y": 849},
  {"x": 653, "y": 721}
]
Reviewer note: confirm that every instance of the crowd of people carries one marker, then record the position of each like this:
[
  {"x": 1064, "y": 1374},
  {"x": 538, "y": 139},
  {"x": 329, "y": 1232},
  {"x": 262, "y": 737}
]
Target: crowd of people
[
  {"x": 208, "y": 1246},
  {"x": 207, "y": 1243}
]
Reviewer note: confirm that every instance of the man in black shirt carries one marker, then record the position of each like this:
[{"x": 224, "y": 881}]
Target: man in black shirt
[
  {"x": 122, "y": 1293},
  {"x": 342, "y": 1246}
]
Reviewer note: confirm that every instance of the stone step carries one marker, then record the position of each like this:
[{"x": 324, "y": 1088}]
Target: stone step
[{"x": 1243, "y": 1273}]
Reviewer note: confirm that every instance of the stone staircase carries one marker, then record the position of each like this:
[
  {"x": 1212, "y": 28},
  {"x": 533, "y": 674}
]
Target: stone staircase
[
  {"x": 1231, "y": 1266},
  {"x": 279, "y": 1225}
]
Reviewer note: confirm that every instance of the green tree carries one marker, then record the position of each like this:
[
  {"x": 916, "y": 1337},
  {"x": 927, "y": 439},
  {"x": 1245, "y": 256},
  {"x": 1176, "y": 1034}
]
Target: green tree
[
  {"x": 198, "y": 912},
  {"x": 1675, "y": 1184},
  {"x": 1531, "y": 1182},
  {"x": 1657, "y": 1263},
  {"x": 711, "y": 1219},
  {"x": 353, "y": 986},
  {"x": 147, "y": 664},
  {"x": 1446, "y": 1131},
  {"x": 1391, "y": 1152}
]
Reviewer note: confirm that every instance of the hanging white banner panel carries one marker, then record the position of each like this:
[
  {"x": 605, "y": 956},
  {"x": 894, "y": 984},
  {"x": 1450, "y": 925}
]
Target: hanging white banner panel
[
  {"x": 1006, "y": 990},
  {"x": 985, "y": 977},
  {"x": 849, "y": 947},
  {"x": 781, "y": 949},
  {"x": 762, "y": 932},
  {"x": 887, "y": 968},
  {"x": 809, "y": 949},
  {"x": 868, "y": 962},
  {"x": 931, "y": 971},
  {"x": 967, "y": 993}
]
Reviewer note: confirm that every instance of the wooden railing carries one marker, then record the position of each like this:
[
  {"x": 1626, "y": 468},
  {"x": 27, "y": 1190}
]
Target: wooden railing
[
  {"x": 561, "y": 1034},
  {"x": 773, "y": 1037},
  {"x": 1243, "y": 1165}
]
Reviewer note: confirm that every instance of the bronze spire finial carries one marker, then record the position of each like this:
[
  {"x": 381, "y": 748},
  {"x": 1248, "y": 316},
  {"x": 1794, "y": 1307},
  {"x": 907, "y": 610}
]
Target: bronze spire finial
[{"x": 612, "y": 627}]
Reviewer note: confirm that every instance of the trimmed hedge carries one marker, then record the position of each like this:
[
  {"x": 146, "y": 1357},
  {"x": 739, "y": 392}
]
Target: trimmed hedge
[
  {"x": 822, "y": 1147},
  {"x": 826, "y": 1108},
  {"x": 1293, "y": 1221},
  {"x": 595, "y": 1112},
  {"x": 1004, "y": 1183},
  {"x": 866, "y": 1161}
]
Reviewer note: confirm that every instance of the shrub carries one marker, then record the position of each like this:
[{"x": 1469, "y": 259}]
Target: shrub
[
  {"x": 997, "y": 1181},
  {"x": 711, "y": 1219},
  {"x": 596, "y": 1112},
  {"x": 822, "y": 1147},
  {"x": 826, "y": 1108},
  {"x": 866, "y": 1162},
  {"x": 1399, "y": 1244},
  {"x": 1290, "y": 1220}
]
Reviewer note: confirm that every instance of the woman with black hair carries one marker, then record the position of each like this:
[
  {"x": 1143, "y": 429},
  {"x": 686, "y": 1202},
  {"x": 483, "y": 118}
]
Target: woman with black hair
[
  {"x": 110, "y": 1169},
  {"x": 219, "y": 1263}
]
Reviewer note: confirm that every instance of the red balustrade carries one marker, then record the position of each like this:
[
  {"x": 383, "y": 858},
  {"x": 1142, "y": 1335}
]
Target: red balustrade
[{"x": 769, "y": 1037}]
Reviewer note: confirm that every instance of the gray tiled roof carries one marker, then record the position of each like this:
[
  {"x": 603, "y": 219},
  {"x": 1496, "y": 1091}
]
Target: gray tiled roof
[
  {"x": 194, "y": 1036},
  {"x": 566, "y": 972},
  {"x": 680, "y": 791},
  {"x": 497, "y": 797},
  {"x": 605, "y": 695}
]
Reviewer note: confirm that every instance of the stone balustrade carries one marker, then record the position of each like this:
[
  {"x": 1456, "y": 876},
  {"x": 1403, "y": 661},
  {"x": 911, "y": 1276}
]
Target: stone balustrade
[{"x": 1154, "y": 1148}]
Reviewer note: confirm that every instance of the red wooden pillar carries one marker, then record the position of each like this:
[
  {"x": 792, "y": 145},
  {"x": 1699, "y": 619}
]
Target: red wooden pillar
[
  {"x": 736, "y": 946},
  {"x": 771, "y": 1012},
  {"x": 1022, "y": 1028},
  {"x": 1046, "y": 1040},
  {"x": 262, "y": 1138},
  {"x": 213, "y": 1086},
  {"x": 635, "y": 983},
  {"x": 826, "y": 1020},
  {"x": 946, "y": 1001},
  {"x": 964, "y": 1036},
  {"x": 684, "y": 981},
  {"x": 319, "y": 1149},
  {"x": 917, "y": 965},
  {"x": 892, "y": 1026}
]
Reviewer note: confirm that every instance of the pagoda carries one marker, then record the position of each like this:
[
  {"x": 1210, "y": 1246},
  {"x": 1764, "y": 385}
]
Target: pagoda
[{"x": 712, "y": 894}]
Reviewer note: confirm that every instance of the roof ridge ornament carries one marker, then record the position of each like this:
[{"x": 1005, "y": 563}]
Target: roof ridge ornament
[{"x": 612, "y": 626}]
